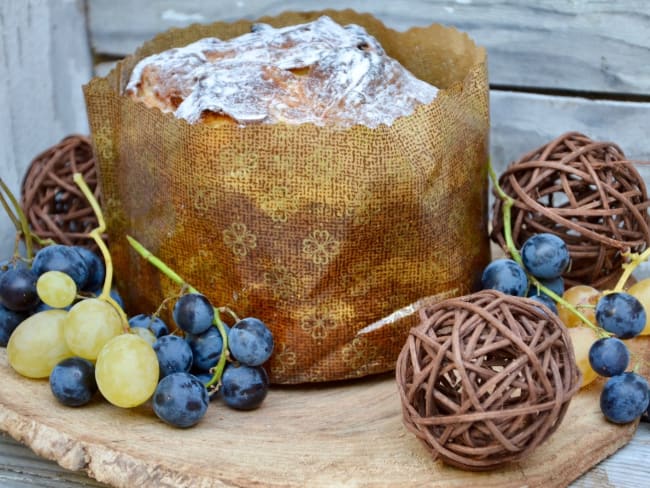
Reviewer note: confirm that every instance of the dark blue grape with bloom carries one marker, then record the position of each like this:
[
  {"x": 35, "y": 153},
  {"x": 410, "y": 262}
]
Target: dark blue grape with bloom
[
  {"x": 624, "y": 398},
  {"x": 180, "y": 399},
  {"x": 609, "y": 356},
  {"x": 621, "y": 314},
  {"x": 72, "y": 381},
  {"x": 545, "y": 256},
  {"x": 506, "y": 276},
  {"x": 193, "y": 313}
]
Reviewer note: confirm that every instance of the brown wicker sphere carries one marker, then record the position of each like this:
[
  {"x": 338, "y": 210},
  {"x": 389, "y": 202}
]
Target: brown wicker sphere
[
  {"x": 585, "y": 192},
  {"x": 53, "y": 204},
  {"x": 485, "y": 378}
]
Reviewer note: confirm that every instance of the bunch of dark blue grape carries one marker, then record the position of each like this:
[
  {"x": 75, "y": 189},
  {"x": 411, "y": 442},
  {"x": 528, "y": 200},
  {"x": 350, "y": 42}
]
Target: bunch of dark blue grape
[
  {"x": 27, "y": 288},
  {"x": 626, "y": 395},
  {"x": 544, "y": 257},
  {"x": 187, "y": 364}
]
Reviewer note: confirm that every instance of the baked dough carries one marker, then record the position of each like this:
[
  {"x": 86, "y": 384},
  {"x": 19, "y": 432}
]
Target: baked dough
[{"x": 318, "y": 72}]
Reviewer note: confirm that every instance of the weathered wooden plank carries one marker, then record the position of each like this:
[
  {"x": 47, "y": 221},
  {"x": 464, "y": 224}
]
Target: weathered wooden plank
[
  {"x": 521, "y": 122},
  {"x": 44, "y": 60},
  {"x": 627, "y": 468},
  {"x": 585, "y": 46},
  {"x": 20, "y": 467}
]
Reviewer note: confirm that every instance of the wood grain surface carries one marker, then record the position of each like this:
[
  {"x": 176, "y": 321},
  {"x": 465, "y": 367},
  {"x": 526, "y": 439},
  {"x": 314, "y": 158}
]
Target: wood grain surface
[
  {"x": 345, "y": 434},
  {"x": 551, "y": 44}
]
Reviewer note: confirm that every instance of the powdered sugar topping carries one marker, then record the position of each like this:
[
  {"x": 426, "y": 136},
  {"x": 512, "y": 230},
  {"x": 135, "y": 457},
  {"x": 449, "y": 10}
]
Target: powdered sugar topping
[{"x": 319, "y": 72}]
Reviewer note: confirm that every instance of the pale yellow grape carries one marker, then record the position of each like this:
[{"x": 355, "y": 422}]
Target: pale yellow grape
[
  {"x": 584, "y": 299},
  {"x": 127, "y": 371},
  {"x": 90, "y": 324},
  {"x": 641, "y": 291},
  {"x": 37, "y": 344},
  {"x": 145, "y": 334},
  {"x": 582, "y": 338},
  {"x": 56, "y": 289}
]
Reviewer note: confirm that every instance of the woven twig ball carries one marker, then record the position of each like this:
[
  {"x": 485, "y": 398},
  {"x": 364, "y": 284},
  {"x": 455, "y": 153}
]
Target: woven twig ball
[
  {"x": 53, "y": 204},
  {"x": 585, "y": 192},
  {"x": 485, "y": 378}
]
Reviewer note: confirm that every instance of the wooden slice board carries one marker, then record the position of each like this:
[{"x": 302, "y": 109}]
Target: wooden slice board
[{"x": 348, "y": 434}]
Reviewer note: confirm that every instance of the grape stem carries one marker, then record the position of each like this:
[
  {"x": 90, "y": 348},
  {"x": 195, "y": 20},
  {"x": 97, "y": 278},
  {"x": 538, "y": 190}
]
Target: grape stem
[
  {"x": 628, "y": 268},
  {"x": 508, "y": 202},
  {"x": 217, "y": 322},
  {"x": 96, "y": 235},
  {"x": 18, "y": 218}
]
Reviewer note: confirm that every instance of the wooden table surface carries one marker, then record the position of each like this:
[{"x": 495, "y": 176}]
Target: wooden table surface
[
  {"x": 20, "y": 467},
  {"x": 553, "y": 68}
]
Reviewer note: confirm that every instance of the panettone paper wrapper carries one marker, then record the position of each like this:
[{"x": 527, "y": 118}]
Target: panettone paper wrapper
[{"x": 333, "y": 237}]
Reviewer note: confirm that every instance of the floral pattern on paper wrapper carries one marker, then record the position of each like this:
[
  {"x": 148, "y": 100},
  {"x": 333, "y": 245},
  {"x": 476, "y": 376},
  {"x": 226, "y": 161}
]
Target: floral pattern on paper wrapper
[
  {"x": 243, "y": 164},
  {"x": 279, "y": 204},
  {"x": 282, "y": 282},
  {"x": 239, "y": 239},
  {"x": 320, "y": 247},
  {"x": 358, "y": 355},
  {"x": 318, "y": 324},
  {"x": 284, "y": 360}
]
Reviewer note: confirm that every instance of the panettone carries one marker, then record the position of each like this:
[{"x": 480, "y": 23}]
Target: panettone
[{"x": 318, "y": 72}]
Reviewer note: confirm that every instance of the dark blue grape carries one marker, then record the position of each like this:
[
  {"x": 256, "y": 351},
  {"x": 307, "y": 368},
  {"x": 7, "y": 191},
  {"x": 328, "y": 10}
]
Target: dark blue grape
[
  {"x": 72, "y": 381},
  {"x": 11, "y": 263},
  {"x": 609, "y": 356},
  {"x": 621, "y": 314},
  {"x": 174, "y": 355},
  {"x": 193, "y": 313},
  {"x": 58, "y": 257},
  {"x": 250, "y": 342},
  {"x": 624, "y": 398},
  {"x": 180, "y": 400},
  {"x": 244, "y": 387},
  {"x": 151, "y": 322},
  {"x": 506, "y": 276},
  {"x": 206, "y": 348},
  {"x": 95, "y": 266},
  {"x": 545, "y": 256},
  {"x": 9, "y": 320},
  {"x": 556, "y": 285},
  {"x": 546, "y": 300},
  {"x": 18, "y": 289}
]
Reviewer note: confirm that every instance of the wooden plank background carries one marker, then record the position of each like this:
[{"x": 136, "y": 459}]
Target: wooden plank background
[{"x": 555, "y": 66}]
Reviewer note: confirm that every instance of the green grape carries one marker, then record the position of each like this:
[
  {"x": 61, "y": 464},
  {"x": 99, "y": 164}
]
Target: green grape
[
  {"x": 37, "y": 344},
  {"x": 584, "y": 299},
  {"x": 582, "y": 339},
  {"x": 127, "y": 371},
  {"x": 56, "y": 289},
  {"x": 90, "y": 324},
  {"x": 145, "y": 334},
  {"x": 641, "y": 291}
]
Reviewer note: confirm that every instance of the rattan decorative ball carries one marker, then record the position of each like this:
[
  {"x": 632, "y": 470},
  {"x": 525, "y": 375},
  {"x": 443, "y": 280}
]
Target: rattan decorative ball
[
  {"x": 585, "y": 192},
  {"x": 53, "y": 204},
  {"x": 485, "y": 378}
]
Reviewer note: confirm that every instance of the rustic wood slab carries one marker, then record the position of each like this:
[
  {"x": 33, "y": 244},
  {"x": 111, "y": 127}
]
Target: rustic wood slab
[
  {"x": 346, "y": 434},
  {"x": 582, "y": 46}
]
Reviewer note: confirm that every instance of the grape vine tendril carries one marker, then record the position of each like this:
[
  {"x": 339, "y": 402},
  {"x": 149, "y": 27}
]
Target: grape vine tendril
[
  {"x": 508, "y": 202},
  {"x": 18, "y": 218},
  {"x": 96, "y": 235},
  {"x": 172, "y": 275}
]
